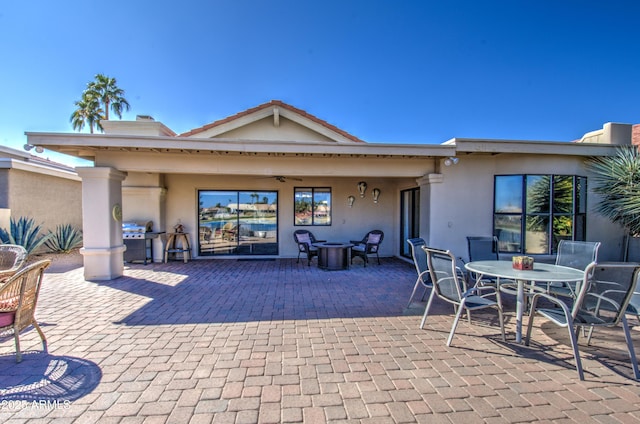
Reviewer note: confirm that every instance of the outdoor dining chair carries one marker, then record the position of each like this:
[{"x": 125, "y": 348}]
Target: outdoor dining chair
[
  {"x": 420, "y": 262},
  {"x": 484, "y": 248},
  {"x": 449, "y": 285},
  {"x": 369, "y": 245},
  {"x": 305, "y": 239},
  {"x": 601, "y": 301},
  {"x": 574, "y": 254},
  {"x": 12, "y": 257},
  {"x": 18, "y": 299}
]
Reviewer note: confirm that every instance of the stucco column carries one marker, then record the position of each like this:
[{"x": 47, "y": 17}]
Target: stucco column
[
  {"x": 102, "y": 222},
  {"x": 425, "y": 183}
]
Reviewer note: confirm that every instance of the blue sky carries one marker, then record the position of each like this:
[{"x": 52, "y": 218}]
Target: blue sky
[{"x": 385, "y": 71}]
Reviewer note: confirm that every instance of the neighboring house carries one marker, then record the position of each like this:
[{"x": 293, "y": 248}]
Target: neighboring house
[
  {"x": 241, "y": 185},
  {"x": 32, "y": 187}
]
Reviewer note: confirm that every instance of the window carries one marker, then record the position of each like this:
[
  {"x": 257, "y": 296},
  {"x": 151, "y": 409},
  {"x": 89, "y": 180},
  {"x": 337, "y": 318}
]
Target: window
[
  {"x": 532, "y": 213},
  {"x": 312, "y": 206}
]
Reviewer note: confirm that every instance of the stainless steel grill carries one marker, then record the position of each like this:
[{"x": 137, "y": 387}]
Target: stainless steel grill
[
  {"x": 137, "y": 237},
  {"x": 137, "y": 229}
]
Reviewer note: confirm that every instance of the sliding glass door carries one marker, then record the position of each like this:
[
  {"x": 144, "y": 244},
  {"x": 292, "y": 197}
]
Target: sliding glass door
[
  {"x": 409, "y": 218},
  {"x": 238, "y": 222}
]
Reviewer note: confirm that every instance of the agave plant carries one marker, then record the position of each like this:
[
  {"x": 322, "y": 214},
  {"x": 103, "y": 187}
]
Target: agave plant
[
  {"x": 64, "y": 239},
  {"x": 617, "y": 180},
  {"x": 24, "y": 232}
]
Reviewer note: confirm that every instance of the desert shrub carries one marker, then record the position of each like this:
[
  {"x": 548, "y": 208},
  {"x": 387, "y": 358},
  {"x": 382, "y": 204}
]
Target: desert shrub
[
  {"x": 64, "y": 238},
  {"x": 24, "y": 232}
]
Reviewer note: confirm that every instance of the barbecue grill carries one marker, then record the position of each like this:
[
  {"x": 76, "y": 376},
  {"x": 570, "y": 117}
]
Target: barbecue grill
[{"x": 138, "y": 237}]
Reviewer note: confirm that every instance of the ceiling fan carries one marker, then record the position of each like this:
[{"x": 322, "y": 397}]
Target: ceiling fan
[{"x": 283, "y": 179}]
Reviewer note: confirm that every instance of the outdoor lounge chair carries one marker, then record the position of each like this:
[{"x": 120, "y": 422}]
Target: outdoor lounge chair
[
  {"x": 420, "y": 262},
  {"x": 369, "y": 245},
  {"x": 12, "y": 258},
  {"x": 449, "y": 285},
  {"x": 601, "y": 300},
  {"x": 305, "y": 239},
  {"x": 18, "y": 299}
]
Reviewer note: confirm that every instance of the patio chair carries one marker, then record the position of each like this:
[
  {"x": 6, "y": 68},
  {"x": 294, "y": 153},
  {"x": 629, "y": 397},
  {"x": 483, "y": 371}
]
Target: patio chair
[
  {"x": 305, "y": 239},
  {"x": 574, "y": 254},
  {"x": 12, "y": 257},
  {"x": 484, "y": 248},
  {"x": 449, "y": 285},
  {"x": 420, "y": 262},
  {"x": 601, "y": 300},
  {"x": 18, "y": 299},
  {"x": 369, "y": 245}
]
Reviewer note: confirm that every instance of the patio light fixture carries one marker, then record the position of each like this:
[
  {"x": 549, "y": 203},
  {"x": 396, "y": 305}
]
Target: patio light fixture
[
  {"x": 362, "y": 188},
  {"x": 28, "y": 147},
  {"x": 451, "y": 160},
  {"x": 376, "y": 195},
  {"x": 350, "y": 201}
]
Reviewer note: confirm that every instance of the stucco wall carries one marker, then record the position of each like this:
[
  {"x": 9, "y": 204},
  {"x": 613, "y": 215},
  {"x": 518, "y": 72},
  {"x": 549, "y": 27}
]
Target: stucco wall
[
  {"x": 347, "y": 223},
  {"x": 462, "y": 205},
  {"x": 49, "y": 200}
]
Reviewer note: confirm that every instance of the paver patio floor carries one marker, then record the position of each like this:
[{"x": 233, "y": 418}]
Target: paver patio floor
[{"x": 228, "y": 341}]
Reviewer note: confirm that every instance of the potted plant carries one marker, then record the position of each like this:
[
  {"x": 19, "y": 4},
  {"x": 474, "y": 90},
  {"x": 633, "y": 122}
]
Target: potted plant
[{"x": 617, "y": 180}]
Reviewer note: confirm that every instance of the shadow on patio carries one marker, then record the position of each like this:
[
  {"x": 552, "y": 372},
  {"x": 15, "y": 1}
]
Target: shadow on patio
[{"x": 221, "y": 291}]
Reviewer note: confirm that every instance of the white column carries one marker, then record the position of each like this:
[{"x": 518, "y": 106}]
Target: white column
[
  {"x": 102, "y": 222},
  {"x": 425, "y": 203}
]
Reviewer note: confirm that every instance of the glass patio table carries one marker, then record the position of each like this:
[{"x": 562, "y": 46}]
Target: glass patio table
[{"x": 541, "y": 272}]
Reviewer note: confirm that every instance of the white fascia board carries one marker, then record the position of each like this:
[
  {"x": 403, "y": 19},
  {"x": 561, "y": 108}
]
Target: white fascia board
[
  {"x": 81, "y": 142},
  {"x": 6, "y": 163},
  {"x": 468, "y": 145}
]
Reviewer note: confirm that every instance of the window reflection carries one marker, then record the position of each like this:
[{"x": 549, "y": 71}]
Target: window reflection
[
  {"x": 238, "y": 222},
  {"x": 554, "y": 209},
  {"x": 508, "y": 194},
  {"x": 312, "y": 206}
]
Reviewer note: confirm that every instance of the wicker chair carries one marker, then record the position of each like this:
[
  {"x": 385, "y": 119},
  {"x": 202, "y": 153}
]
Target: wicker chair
[
  {"x": 369, "y": 245},
  {"x": 12, "y": 258},
  {"x": 18, "y": 299}
]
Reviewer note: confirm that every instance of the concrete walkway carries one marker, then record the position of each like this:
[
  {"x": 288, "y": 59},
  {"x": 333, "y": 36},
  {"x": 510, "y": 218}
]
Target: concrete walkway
[{"x": 228, "y": 341}]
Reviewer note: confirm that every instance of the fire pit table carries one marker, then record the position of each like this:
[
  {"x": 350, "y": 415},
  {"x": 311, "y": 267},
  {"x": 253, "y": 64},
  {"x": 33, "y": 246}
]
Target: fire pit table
[{"x": 333, "y": 255}]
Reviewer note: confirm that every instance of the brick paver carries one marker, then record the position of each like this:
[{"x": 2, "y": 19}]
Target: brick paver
[{"x": 228, "y": 341}]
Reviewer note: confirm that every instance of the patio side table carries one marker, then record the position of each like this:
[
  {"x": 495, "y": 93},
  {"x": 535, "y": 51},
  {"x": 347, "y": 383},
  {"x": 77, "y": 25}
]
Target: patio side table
[{"x": 177, "y": 243}]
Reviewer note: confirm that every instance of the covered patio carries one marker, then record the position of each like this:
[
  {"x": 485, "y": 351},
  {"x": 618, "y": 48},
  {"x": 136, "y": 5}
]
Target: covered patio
[{"x": 275, "y": 341}]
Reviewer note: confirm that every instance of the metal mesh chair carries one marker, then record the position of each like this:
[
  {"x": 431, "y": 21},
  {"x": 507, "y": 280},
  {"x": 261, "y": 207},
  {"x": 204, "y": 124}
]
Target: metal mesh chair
[
  {"x": 12, "y": 257},
  {"x": 449, "y": 285},
  {"x": 601, "y": 301},
  {"x": 420, "y": 262},
  {"x": 574, "y": 254},
  {"x": 18, "y": 299}
]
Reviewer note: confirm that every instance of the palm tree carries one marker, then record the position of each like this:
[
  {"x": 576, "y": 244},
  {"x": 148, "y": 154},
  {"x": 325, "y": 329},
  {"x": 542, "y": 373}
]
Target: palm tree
[
  {"x": 88, "y": 112},
  {"x": 110, "y": 95},
  {"x": 617, "y": 180},
  {"x": 100, "y": 96}
]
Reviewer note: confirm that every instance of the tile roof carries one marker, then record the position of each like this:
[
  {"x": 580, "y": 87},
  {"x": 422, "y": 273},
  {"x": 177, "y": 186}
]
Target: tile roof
[{"x": 271, "y": 103}]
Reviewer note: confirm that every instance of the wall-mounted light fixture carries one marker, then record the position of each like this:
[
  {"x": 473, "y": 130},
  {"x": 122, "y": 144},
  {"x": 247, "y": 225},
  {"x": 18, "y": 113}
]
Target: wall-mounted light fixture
[
  {"x": 376, "y": 195},
  {"x": 362, "y": 188},
  {"x": 350, "y": 201},
  {"x": 452, "y": 160},
  {"x": 28, "y": 147}
]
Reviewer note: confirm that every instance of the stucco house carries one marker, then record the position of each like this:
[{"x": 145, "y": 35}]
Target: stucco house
[
  {"x": 267, "y": 171},
  {"x": 33, "y": 187}
]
